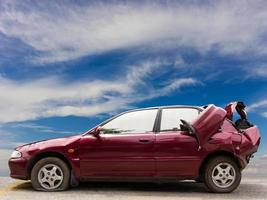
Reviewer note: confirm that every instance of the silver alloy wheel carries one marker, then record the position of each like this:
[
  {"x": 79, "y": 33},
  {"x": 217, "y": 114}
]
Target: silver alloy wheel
[
  {"x": 223, "y": 175},
  {"x": 50, "y": 176}
]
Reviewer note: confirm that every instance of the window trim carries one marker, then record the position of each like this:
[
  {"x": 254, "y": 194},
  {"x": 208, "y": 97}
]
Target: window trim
[{"x": 157, "y": 123}]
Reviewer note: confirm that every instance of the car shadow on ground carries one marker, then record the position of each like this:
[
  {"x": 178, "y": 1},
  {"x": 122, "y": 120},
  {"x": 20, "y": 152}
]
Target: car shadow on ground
[
  {"x": 144, "y": 186},
  {"x": 128, "y": 186},
  {"x": 181, "y": 189}
]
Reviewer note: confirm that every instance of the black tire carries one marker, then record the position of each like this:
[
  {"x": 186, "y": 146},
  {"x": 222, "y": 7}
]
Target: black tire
[
  {"x": 62, "y": 169},
  {"x": 211, "y": 174}
]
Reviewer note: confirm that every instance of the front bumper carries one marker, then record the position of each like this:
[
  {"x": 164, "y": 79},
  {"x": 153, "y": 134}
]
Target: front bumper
[{"x": 18, "y": 168}]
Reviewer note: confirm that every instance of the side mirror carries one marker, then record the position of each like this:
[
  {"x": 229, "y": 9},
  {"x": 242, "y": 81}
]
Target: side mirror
[
  {"x": 97, "y": 131},
  {"x": 186, "y": 126}
]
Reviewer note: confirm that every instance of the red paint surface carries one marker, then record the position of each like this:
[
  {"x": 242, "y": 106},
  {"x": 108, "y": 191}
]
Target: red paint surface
[{"x": 153, "y": 155}]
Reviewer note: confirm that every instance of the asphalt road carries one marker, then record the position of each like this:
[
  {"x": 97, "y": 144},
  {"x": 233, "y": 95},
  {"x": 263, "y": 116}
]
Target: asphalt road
[{"x": 250, "y": 188}]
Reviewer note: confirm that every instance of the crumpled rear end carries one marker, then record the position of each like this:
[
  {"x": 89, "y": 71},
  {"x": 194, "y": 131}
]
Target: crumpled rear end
[
  {"x": 249, "y": 144},
  {"x": 253, "y": 135}
]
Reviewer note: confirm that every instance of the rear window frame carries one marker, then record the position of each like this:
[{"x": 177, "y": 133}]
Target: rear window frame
[{"x": 159, "y": 117}]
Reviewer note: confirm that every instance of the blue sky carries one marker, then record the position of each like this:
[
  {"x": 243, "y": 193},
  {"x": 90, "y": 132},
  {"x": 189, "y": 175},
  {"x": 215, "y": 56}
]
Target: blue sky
[{"x": 67, "y": 65}]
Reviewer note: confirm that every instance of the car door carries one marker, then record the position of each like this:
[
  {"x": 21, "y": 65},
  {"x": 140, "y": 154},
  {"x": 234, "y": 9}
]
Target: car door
[
  {"x": 176, "y": 151},
  {"x": 124, "y": 148}
]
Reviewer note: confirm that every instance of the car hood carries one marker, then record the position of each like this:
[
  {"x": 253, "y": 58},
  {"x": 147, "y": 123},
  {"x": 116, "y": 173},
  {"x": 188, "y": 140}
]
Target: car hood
[{"x": 57, "y": 142}]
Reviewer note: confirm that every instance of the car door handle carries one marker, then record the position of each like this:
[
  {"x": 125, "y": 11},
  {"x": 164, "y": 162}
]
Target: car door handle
[{"x": 144, "y": 141}]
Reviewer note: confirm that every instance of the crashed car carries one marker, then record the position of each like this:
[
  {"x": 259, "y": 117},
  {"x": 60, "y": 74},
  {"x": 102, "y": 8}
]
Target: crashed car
[{"x": 153, "y": 144}]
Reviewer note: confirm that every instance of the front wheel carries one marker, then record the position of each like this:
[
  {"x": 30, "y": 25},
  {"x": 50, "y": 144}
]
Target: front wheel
[
  {"x": 50, "y": 174},
  {"x": 222, "y": 175}
]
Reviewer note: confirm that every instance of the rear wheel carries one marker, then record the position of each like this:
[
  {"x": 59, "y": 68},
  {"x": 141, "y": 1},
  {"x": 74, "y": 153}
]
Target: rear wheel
[
  {"x": 50, "y": 174},
  {"x": 222, "y": 175}
]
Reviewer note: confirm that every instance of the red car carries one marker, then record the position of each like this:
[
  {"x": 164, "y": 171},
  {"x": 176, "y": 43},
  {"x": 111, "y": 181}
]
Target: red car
[{"x": 153, "y": 144}]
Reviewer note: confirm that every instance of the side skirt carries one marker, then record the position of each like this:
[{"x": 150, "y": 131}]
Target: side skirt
[{"x": 136, "y": 179}]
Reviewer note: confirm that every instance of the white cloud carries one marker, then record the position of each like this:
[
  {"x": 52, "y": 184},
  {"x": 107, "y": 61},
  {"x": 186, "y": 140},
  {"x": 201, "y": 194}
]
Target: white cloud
[
  {"x": 39, "y": 128},
  {"x": 256, "y": 105},
  {"x": 264, "y": 114},
  {"x": 260, "y": 107},
  {"x": 32, "y": 99},
  {"x": 64, "y": 31},
  {"x": 260, "y": 71},
  {"x": 10, "y": 143},
  {"x": 5, "y": 155},
  {"x": 177, "y": 84},
  {"x": 179, "y": 62},
  {"x": 255, "y": 71},
  {"x": 8, "y": 139},
  {"x": 47, "y": 97}
]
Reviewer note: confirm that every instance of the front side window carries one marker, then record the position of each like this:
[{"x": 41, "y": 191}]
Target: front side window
[
  {"x": 170, "y": 118},
  {"x": 133, "y": 122}
]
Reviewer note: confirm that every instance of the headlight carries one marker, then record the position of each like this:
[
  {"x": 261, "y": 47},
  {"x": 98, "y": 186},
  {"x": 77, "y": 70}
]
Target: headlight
[{"x": 16, "y": 154}]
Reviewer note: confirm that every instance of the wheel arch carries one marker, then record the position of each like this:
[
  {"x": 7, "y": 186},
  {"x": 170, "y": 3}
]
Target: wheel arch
[
  {"x": 42, "y": 155},
  {"x": 216, "y": 154}
]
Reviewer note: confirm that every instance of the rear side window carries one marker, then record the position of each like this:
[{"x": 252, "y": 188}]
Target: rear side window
[
  {"x": 133, "y": 122},
  {"x": 170, "y": 118}
]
